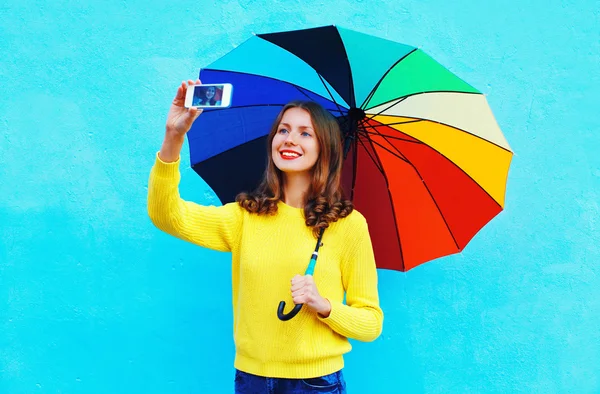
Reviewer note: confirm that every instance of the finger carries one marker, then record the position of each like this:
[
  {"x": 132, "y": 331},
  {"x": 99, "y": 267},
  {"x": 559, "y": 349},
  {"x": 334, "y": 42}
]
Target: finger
[
  {"x": 183, "y": 86},
  {"x": 299, "y": 299},
  {"x": 198, "y": 82},
  {"x": 305, "y": 288},
  {"x": 300, "y": 292},
  {"x": 298, "y": 285},
  {"x": 180, "y": 92},
  {"x": 297, "y": 279},
  {"x": 304, "y": 297}
]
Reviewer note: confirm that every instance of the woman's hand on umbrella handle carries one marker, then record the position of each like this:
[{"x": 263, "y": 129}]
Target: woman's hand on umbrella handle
[
  {"x": 304, "y": 291},
  {"x": 179, "y": 122}
]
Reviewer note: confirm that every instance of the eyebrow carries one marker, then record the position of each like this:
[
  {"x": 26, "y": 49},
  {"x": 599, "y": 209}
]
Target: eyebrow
[{"x": 301, "y": 127}]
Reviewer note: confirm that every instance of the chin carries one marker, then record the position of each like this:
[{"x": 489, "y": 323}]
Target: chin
[
  {"x": 289, "y": 169},
  {"x": 285, "y": 168}
]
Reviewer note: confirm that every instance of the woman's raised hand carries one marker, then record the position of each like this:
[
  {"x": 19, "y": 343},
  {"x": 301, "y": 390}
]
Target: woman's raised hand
[
  {"x": 180, "y": 119},
  {"x": 179, "y": 122}
]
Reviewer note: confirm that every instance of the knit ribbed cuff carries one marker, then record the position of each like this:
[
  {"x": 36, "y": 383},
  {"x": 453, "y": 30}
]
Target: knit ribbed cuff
[
  {"x": 166, "y": 170},
  {"x": 332, "y": 313},
  {"x": 353, "y": 322}
]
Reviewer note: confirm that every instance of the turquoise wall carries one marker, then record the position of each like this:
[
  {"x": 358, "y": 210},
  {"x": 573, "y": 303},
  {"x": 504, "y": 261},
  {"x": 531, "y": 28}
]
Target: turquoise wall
[{"x": 94, "y": 299}]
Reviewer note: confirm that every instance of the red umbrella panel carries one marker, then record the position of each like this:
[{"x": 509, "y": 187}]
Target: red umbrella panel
[{"x": 421, "y": 205}]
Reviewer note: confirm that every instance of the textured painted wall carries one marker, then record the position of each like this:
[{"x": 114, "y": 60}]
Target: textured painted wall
[{"x": 94, "y": 299}]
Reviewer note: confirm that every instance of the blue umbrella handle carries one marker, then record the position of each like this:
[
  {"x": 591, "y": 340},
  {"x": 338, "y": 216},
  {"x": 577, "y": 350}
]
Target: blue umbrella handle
[{"x": 285, "y": 317}]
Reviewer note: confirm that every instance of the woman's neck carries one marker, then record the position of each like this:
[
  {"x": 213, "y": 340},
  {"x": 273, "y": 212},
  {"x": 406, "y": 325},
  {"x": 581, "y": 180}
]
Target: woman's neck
[{"x": 295, "y": 189}]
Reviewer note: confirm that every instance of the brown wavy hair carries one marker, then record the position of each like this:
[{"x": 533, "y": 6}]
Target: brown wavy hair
[{"x": 325, "y": 202}]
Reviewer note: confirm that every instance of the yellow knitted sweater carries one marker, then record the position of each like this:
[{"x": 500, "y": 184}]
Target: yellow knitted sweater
[{"x": 267, "y": 252}]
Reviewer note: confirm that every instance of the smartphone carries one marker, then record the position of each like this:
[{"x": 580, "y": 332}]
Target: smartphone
[{"x": 214, "y": 95}]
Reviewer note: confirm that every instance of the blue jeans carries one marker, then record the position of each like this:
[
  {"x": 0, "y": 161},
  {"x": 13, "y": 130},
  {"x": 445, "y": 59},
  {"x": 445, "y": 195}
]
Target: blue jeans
[{"x": 246, "y": 383}]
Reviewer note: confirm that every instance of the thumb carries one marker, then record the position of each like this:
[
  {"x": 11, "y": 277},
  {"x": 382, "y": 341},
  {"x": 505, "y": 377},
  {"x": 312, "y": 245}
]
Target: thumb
[{"x": 192, "y": 115}]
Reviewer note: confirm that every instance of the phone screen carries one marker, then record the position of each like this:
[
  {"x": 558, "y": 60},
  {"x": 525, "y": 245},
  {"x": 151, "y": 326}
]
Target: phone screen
[{"x": 208, "y": 96}]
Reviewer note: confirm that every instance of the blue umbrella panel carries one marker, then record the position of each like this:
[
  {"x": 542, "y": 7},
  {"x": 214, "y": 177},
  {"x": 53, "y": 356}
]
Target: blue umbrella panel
[{"x": 228, "y": 146}]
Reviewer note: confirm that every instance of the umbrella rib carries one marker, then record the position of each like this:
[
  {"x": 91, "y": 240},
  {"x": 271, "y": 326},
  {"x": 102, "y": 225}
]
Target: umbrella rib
[
  {"x": 352, "y": 102},
  {"x": 326, "y": 88},
  {"x": 387, "y": 184},
  {"x": 422, "y": 180},
  {"x": 372, "y": 92},
  {"x": 396, "y": 123},
  {"x": 354, "y": 162},
  {"x": 382, "y": 136},
  {"x": 440, "y": 123},
  {"x": 256, "y": 105},
  {"x": 259, "y": 105},
  {"x": 368, "y": 133},
  {"x": 439, "y": 209},
  {"x": 351, "y": 82},
  {"x": 462, "y": 170},
  {"x": 443, "y": 155},
  {"x": 385, "y": 109},
  {"x": 419, "y": 93},
  {"x": 376, "y": 132},
  {"x": 304, "y": 93},
  {"x": 251, "y": 106},
  {"x": 352, "y": 97},
  {"x": 389, "y": 151},
  {"x": 376, "y": 162},
  {"x": 282, "y": 81}
]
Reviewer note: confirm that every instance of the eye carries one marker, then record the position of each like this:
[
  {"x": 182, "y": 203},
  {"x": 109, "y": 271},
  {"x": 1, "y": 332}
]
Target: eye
[
  {"x": 306, "y": 134},
  {"x": 283, "y": 131}
]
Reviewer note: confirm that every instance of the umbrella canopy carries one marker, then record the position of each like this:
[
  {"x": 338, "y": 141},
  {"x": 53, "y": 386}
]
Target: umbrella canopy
[{"x": 426, "y": 162}]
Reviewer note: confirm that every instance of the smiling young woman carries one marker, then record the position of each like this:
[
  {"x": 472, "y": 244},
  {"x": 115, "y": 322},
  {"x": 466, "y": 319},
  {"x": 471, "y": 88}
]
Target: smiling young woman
[
  {"x": 271, "y": 233},
  {"x": 298, "y": 172}
]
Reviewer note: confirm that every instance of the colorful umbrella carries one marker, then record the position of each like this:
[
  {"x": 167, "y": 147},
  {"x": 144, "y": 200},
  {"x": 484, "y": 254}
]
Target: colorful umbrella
[{"x": 426, "y": 162}]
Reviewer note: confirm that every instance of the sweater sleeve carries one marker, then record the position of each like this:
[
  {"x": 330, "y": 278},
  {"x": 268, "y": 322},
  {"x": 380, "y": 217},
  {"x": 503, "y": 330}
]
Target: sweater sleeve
[
  {"x": 212, "y": 227},
  {"x": 360, "y": 318}
]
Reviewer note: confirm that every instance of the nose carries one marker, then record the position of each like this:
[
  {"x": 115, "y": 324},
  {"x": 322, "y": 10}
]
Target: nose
[{"x": 289, "y": 140}]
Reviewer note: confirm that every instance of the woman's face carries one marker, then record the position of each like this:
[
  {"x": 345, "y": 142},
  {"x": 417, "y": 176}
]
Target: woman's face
[
  {"x": 210, "y": 92},
  {"x": 295, "y": 147}
]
